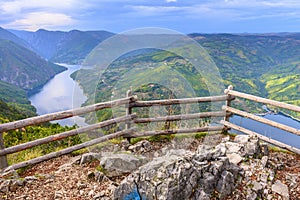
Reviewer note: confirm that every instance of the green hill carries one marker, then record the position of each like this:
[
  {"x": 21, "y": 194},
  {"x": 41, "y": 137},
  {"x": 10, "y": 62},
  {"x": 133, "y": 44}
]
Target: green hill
[
  {"x": 263, "y": 65},
  {"x": 16, "y": 98},
  {"x": 23, "y": 68}
]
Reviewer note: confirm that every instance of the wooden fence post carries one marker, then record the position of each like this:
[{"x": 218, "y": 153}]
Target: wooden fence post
[
  {"x": 128, "y": 111},
  {"x": 228, "y": 103},
  {"x": 3, "y": 159}
]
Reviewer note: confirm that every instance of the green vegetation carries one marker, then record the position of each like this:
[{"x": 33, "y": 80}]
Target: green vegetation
[
  {"x": 13, "y": 101},
  {"x": 31, "y": 133},
  {"x": 263, "y": 65},
  {"x": 23, "y": 68}
]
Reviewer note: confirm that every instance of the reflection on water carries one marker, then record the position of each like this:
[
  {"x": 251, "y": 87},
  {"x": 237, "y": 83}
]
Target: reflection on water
[
  {"x": 57, "y": 95},
  {"x": 269, "y": 131}
]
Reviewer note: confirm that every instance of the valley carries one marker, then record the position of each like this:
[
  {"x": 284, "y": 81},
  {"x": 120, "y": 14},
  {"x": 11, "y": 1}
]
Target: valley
[{"x": 259, "y": 64}]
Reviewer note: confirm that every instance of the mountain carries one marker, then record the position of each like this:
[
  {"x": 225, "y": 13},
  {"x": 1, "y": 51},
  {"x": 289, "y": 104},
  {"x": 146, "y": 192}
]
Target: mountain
[
  {"x": 63, "y": 47},
  {"x": 263, "y": 65},
  {"x": 250, "y": 62},
  {"x": 6, "y": 35},
  {"x": 23, "y": 68}
]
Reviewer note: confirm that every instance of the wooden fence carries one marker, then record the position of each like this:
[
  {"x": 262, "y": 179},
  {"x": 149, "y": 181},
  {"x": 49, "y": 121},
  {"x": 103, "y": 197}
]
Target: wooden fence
[{"x": 129, "y": 119}]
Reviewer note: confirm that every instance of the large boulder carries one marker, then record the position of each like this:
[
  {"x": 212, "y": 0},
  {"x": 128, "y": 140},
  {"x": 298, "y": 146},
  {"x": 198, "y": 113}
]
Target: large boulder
[
  {"x": 181, "y": 174},
  {"x": 116, "y": 164}
]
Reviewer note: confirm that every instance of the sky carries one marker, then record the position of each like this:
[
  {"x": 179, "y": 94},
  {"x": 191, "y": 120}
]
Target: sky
[{"x": 186, "y": 16}]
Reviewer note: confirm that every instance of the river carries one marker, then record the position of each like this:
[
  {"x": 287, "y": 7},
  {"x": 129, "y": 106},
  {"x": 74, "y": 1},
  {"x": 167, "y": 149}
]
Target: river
[
  {"x": 58, "y": 95},
  {"x": 269, "y": 131}
]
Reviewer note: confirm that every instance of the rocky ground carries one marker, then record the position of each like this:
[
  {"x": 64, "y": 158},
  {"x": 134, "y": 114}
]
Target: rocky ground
[{"x": 184, "y": 168}]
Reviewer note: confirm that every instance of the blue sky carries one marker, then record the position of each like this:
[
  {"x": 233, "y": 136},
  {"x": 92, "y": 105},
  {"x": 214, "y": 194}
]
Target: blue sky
[{"x": 186, "y": 16}]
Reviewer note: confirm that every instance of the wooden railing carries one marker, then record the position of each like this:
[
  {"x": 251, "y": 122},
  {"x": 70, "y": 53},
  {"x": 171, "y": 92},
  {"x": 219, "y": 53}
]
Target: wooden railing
[
  {"x": 228, "y": 109},
  {"x": 130, "y": 119}
]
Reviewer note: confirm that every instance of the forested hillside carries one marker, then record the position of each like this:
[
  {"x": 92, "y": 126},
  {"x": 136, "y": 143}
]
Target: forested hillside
[
  {"x": 23, "y": 68},
  {"x": 263, "y": 65},
  {"x": 63, "y": 47}
]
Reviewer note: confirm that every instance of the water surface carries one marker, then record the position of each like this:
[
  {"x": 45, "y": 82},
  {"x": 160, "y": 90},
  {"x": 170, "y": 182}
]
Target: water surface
[
  {"x": 269, "y": 131},
  {"x": 58, "y": 95}
]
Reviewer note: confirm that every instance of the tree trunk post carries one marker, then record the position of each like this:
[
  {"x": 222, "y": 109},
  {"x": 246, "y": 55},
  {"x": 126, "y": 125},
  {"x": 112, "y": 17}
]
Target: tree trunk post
[
  {"x": 3, "y": 159},
  {"x": 228, "y": 103},
  {"x": 128, "y": 112}
]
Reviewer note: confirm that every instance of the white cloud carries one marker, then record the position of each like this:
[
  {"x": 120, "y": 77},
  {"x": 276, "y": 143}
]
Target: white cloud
[
  {"x": 169, "y": 1},
  {"x": 17, "y": 6},
  {"x": 37, "y": 20}
]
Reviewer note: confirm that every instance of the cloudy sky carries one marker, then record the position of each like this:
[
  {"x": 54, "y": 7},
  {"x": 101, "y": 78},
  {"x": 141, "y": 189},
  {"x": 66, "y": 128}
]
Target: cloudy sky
[{"x": 186, "y": 16}]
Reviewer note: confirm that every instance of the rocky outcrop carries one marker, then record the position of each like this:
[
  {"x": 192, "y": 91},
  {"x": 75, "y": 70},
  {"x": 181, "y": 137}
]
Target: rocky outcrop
[
  {"x": 181, "y": 174},
  {"x": 117, "y": 164}
]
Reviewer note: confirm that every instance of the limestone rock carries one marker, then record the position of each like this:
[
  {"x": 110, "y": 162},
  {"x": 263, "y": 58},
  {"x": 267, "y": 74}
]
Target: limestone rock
[
  {"x": 141, "y": 146},
  {"x": 180, "y": 175},
  {"x": 88, "y": 157},
  {"x": 116, "y": 164},
  {"x": 242, "y": 139},
  {"x": 234, "y": 158},
  {"x": 282, "y": 189}
]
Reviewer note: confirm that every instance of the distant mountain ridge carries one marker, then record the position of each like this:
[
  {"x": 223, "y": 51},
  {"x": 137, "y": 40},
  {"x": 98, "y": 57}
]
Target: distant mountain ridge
[
  {"x": 7, "y": 35},
  {"x": 63, "y": 47}
]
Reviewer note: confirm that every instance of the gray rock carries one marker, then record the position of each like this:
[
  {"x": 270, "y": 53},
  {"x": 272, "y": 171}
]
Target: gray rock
[
  {"x": 242, "y": 139},
  {"x": 179, "y": 152},
  {"x": 88, "y": 157},
  {"x": 264, "y": 161},
  {"x": 234, "y": 158},
  {"x": 220, "y": 150},
  {"x": 258, "y": 189},
  {"x": 124, "y": 144},
  {"x": 75, "y": 160},
  {"x": 225, "y": 184},
  {"x": 100, "y": 177},
  {"x": 282, "y": 189},
  {"x": 233, "y": 147},
  {"x": 180, "y": 174},
  {"x": 116, "y": 164},
  {"x": 208, "y": 152},
  {"x": 226, "y": 139},
  {"x": 141, "y": 146},
  {"x": 252, "y": 148}
]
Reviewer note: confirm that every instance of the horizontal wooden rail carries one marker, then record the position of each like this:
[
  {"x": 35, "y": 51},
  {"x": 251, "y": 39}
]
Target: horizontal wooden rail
[
  {"x": 69, "y": 149},
  {"x": 262, "y": 137},
  {"x": 63, "y": 114},
  {"x": 263, "y": 100},
  {"x": 166, "y": 102},
  {"x": 63, "y": 135},
  {"x": 180, "y": 117},
  {"x": 175, "y": 131},
  {"x": 263, "y": 120}
]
